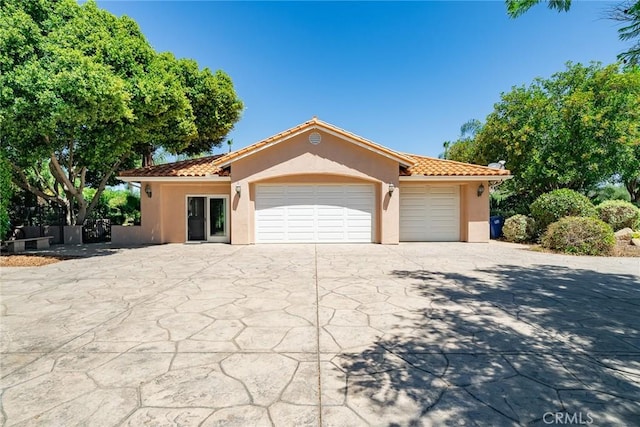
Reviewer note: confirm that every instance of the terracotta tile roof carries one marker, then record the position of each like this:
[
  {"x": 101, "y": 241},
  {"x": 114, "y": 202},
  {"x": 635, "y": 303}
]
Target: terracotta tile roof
[
  {"x": 429, "y": 166},
  {"x": 202, "y": 166},
  {"x": 414, "y": 165},
  {"x": 314, "y": 123}
]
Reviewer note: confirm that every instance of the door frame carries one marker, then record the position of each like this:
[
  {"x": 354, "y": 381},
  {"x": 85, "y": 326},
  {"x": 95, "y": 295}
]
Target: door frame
[{"x": 226, "y": 238}]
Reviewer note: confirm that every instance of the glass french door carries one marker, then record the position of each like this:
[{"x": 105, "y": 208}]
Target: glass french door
[{"x": 207, "y": 219}]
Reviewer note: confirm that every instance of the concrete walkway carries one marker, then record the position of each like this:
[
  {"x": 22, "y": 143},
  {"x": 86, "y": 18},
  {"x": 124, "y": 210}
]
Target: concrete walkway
[{"x": 331, "y": 335}]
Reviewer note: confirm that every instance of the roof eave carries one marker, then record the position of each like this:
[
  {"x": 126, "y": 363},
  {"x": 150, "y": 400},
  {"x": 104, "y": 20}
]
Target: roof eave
[
  {"x": 456, "y": 177},
  {"x": 210, "y": 178}
]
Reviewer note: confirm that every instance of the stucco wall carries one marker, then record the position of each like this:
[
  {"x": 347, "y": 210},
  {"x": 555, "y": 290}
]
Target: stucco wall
[
  {"x": 151, "y": 213},
  {"x": 297, "y": 161},
  {"x": 333, "y": 160},
  {"x": 474, "y": 214},
  {"x": 164, "y": 215}
]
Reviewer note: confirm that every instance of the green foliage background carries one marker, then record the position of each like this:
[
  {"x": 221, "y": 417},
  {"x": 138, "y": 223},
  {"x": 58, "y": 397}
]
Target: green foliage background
[
  {"x": 577, "y": 129},
  {"x": 6, "y": 192},
  {"x": 83, "y": 95}
]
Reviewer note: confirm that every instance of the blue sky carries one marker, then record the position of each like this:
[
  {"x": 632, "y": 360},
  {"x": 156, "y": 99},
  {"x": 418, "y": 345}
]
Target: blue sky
[{"x": 403, "y": 74}]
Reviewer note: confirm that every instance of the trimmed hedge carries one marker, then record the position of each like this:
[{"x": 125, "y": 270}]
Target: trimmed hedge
[
  {"x": 518, "y": 228},
  {"x": 552, "y": 206},
  {"x": 619, "y": 214},
  {"x": 580, "y": 235}
]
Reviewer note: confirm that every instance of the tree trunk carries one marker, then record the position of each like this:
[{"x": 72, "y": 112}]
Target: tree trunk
[
  {"x": 68, "y": 213},
  {"x": 633, "y": 187},
  {"x": 82, "y": 212},
  {"x": 147, "y": 156}
]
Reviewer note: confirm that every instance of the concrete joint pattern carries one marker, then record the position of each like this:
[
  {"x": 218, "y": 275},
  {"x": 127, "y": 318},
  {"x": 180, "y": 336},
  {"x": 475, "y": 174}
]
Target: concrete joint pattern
[{"x": 332, "y": 335}]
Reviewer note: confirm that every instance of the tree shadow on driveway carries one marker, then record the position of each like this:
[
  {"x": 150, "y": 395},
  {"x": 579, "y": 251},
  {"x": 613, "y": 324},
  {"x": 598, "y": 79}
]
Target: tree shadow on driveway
[{"x": 508, "y": 346}]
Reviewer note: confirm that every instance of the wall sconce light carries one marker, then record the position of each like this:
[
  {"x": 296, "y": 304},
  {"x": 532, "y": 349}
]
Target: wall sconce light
[
  {"x": 147, "y": 189},
  {"x": 238, "y": 189},
  {"x": 391, "y": 188},
  {"x": 480, "y": 190}
]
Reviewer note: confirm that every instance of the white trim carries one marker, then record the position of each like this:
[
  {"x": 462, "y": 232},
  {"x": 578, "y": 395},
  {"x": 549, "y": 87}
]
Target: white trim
[
  {"x": 315, "y": 127},
  {"x": 456, "y": 178},
  {"x": 212, "y": 178},
  {"x": 227, "y": 226}
]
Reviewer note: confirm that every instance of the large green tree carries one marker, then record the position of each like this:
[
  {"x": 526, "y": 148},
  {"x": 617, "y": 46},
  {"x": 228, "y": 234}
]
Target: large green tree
[
  {"x": 626, "y": 12},
  {"x": 463, "y": 149},
  {"x": 82, "y": 94},
  {"x": 6, "y": 192},
  {"x": 573, "y": 130},
  {"x": 629, "y": 172}
]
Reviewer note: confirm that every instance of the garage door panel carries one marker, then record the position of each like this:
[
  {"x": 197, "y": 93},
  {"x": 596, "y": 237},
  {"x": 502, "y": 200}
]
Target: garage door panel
[
  {"x": 314, "y": 213},
  {"x": 429, "y": 213}
]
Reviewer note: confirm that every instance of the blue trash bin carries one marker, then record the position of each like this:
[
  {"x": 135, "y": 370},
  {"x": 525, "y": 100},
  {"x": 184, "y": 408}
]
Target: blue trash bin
[{"x": 495, "y": 226}]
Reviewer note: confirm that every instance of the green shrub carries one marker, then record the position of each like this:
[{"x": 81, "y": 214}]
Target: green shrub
[
  {"x": 580, "y": 235},
  {"x": 518, "y": 228},
  {"x": 610, "y": 192},
  {"x": 618, "y": 214},
  {"x": 6, "y": 191},
  {"x": 552, "y": 206}
]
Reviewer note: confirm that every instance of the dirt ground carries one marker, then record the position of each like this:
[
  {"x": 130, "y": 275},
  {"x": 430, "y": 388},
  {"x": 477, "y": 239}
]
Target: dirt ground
[
  {"x": 20, "y": 260},
  {"x": 625, "y": 248}
]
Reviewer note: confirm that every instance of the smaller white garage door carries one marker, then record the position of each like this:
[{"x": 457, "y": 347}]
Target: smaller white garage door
[
  {"x": 430, "y": 213},
  {"x": 314, "y": 213}
]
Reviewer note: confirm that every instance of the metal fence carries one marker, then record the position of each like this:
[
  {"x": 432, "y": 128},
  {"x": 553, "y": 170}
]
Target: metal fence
[
  {"x": 96, "y": 230},
  {"x": 28, "y": 219}
]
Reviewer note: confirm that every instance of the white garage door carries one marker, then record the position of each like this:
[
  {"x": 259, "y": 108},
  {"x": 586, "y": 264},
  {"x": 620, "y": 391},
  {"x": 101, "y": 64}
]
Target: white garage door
[
  {"x": 314, "y": 213},
  {"x": 430, "y": 213}
]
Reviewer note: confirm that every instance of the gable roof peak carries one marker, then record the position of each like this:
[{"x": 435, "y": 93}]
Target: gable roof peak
[{"x": 314, "y": 123}]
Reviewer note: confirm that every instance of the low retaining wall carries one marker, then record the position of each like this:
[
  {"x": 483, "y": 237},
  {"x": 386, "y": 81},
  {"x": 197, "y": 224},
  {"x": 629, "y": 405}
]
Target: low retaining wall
[
  {"x": 54, "y": 231},
  {"x": 127, "y": 235}
]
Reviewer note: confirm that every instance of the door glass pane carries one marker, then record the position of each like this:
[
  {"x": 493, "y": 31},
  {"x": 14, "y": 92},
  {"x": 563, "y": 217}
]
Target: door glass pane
[
  {"x": 196, "y": 218},
  {"x": 217, "y": 222}
]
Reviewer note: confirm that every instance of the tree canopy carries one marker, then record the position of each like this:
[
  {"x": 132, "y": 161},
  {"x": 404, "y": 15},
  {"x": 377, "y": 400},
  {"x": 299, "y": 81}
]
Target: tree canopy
[
  {"x": 574, "y": 130},
  {"x": 6, "y": 191},
  {"x": 626, "y": 12},
  {"x": 82, "y": 93},
  {"x": 463, "y": 149}
]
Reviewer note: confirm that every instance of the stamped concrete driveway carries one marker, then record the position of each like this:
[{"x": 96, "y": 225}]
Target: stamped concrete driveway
[{"x": 415, "y": 334}]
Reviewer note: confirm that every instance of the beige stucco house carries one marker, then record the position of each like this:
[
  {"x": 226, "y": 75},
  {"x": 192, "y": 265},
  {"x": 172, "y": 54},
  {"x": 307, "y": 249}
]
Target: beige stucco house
[{"x": 314, "y": 182}]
